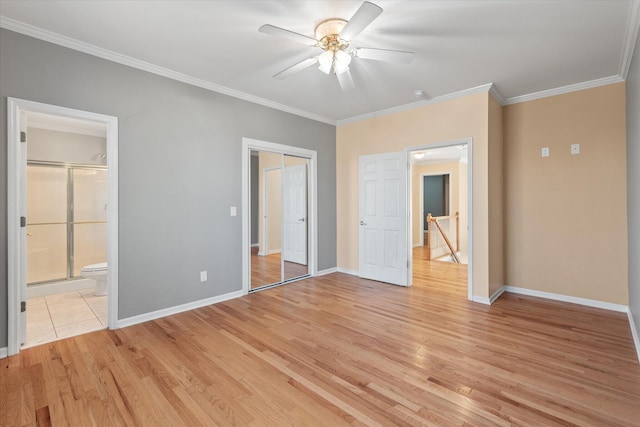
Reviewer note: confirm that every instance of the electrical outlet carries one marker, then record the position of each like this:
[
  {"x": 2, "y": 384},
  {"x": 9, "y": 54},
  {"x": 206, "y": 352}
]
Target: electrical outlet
[
  {"x": 545, "y": 152},
  {"x": 203, "y": 276},
  {"x": 233, "y": 211},
  {"x": 575, "y": 148}
]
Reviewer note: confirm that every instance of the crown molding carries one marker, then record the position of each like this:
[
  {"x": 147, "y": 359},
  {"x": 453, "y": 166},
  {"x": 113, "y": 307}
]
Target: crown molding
[
  {"x": 400, "y": 108},
  {"x": 630, "y": 39},
  {"x": 68, "y": 42},
  {"x": 493, "y": 91},
  {"x": 564, "y": 89}
]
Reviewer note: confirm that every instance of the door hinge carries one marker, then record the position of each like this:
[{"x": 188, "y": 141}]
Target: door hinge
[
  {"x": 23, "y": 137},
  {"x": 23, "y": 306},
  {"x": 407, "y": 263},
  {"x": 23, "y": 221}
]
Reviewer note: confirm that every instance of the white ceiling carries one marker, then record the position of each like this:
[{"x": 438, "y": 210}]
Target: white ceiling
[
  {"x": 523, "y": 47},
  {"x": 455, "y": 153}
]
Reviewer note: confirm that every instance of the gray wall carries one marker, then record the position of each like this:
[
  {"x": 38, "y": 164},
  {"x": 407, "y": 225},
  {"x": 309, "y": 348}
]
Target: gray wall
[
  {"x": 633, "y": 183},
  {"x": 180, "y": 169}
]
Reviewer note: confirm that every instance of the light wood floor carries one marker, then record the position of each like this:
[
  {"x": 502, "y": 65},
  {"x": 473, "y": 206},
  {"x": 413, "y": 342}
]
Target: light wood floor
[
  {"x": 266, "y": 270},
  {"x": 339, "y": 350}
]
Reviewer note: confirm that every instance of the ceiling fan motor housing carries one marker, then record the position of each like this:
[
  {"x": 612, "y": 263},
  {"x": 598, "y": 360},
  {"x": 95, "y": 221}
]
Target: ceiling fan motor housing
[{"x": 328, "y": 34}]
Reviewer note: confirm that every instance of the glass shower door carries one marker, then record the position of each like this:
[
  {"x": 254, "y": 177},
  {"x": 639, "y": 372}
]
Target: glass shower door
[
  {"x": 89, "y": 217},
  {"x": 46, "y": 223}
]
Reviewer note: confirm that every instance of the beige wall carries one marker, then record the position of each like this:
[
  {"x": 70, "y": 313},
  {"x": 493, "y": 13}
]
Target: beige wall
[
  {"x": 446, "y": 121},
  {"x": 266, "y": 160},
  {"x": 566, "y": 222},
  {"x": 496, "y": 198},
  {"x": 458, "y": 189}
]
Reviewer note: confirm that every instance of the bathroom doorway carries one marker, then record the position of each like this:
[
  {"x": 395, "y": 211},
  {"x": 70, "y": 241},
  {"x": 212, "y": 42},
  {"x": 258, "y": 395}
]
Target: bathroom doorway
[{"x": 63, "y": 256}]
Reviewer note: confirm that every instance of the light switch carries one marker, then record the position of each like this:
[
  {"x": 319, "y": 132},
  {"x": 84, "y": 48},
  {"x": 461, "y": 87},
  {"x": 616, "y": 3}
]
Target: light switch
[
  {"x": 575, "y": 148},
  {"x": 233, "y": 211},
  {"x": 545, "y": 152},
  {"x": 203, "y": 276}
]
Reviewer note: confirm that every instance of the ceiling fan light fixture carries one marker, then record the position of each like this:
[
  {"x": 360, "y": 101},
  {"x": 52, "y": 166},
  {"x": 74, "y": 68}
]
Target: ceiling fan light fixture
[
  {"x": 342, "y": 61},
  {"x": 326, "y": 61}
]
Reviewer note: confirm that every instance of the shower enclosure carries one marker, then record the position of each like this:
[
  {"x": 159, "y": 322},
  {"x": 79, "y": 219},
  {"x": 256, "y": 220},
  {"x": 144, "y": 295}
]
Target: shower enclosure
[{"x": 66, "y": 220}]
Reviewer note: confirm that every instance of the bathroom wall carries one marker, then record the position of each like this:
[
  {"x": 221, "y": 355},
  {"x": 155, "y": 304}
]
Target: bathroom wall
[
  {"x": 180, "y": 170},
  {"x": 56, "y": 146}
]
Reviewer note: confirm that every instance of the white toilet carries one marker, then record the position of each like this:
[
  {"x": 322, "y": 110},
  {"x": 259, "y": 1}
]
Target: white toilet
[{"x": 97, "y": 272}]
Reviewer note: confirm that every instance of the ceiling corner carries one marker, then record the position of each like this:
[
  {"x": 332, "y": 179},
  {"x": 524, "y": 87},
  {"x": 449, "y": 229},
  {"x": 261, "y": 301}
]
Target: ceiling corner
[{"x": 630, "y": 38}]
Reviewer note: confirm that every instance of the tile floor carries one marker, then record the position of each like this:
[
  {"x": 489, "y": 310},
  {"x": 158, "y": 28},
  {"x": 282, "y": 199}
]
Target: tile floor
[{"x": 65, "y": 315}]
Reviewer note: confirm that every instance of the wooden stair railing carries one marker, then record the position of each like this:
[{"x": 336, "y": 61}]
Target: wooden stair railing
[{"x": 434, "y": 220}]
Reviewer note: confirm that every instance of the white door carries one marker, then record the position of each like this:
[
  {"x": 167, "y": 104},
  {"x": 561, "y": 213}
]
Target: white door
[
  {"x": 383, "y": 218},
  {"x": 294, "y": 214}
]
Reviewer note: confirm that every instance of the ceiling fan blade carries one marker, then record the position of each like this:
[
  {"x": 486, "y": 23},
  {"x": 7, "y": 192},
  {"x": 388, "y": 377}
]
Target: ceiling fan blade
[
  {"x": 296, "y": 68},
  {"x": 281, "y": 32},
  {"x": 360, "y": 20},
  {"x": 383, "y": 55},
  {"x": 346, "y": 81}
]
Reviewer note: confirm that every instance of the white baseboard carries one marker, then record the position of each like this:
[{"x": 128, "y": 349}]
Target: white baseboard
[
  {"x": 566, "y": 298},
  {"x": 496, "y": 294},
  {"x": 4, "y": 351},
  {"x": 417, "y": 245},
  {"x": 481, "y": 300},
  {"x": 273, "y": 251},
  {"x": 327, "y": 271},
  {"x": 255, "y": 245},
  {"x": 260, "y": 253},
  {"x": 134, "y": 320},
  {"x": 634, "y": 333},
  {"x": 347, "y": 271},
  {"x": 37, "y": 291}
]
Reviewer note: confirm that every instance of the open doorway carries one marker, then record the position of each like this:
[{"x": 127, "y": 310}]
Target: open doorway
[
  {"x": 440, "y": 189},
  {"x": 62, "y": 223}
]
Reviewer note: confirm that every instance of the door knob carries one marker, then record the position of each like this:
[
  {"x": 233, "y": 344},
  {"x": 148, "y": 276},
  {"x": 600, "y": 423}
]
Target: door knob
[
  {"x": 301, "y": 219},
  {"x": 363, "y": 223}
]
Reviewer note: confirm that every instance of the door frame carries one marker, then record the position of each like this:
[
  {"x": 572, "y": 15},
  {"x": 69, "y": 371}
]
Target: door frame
[
  {"x": 16, "y": 256},
  {"x": 409, "y": 150},
  {"x": 249, "y": 144},
  {"x": 422, "y": 175}
]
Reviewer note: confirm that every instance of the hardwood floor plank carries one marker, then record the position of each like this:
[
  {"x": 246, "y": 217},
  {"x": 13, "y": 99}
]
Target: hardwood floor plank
[{"x": 340, "y": 350}]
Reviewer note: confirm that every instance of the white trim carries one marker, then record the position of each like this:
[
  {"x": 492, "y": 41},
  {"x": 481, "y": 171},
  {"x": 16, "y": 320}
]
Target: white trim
[
  {"x": 255, "y": 245},
  {"x": 566, "y": 298},
  {"x": 493, "y": 91},
  {"x": 436, "y": 100},
  {"x": 461, "y": 141},
  {"x": 634, "y": 333},
  {"x": 564, "y": 89},
  {"x": 347, "y": 271},
  {"x": 3, "y": 352},
  {"x": 327, "y": 271},
  {"x": 274, "y": 251},
  {"x": 496, "y": 294},
  {"x": 630, "y": 38},
  {"x": 249, "y": 144},
  {"x": 15, "y": 252},
  {"x": 481, "y": 300},
  {"x": 49, "y": 36},
  {"x": 134, "y": 320},
  {"x": 417, "y": 245}
]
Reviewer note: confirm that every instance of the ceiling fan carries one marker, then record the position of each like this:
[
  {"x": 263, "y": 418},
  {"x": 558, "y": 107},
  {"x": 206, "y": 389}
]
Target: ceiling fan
[{"x": 334, "y": 37}]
